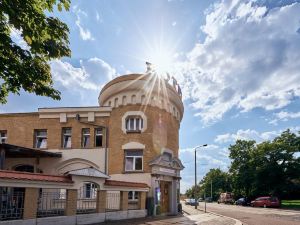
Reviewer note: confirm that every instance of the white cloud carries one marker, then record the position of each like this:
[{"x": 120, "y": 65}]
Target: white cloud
[
  {"x": 284, "y": 116},
  {"x": 249, "y": 58},
  {"x": 251, "y": 135},
  {"x": 18, "y": 39},
  {"x": 174, "y": 23},
  {"x": 91, "y": 74},
  {"x": 85, "y": 33}
]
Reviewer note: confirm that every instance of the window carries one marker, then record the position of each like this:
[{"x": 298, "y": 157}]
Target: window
[
  {"x": 3, "y": 136},
  {"x": 25, "y": 168},
  {"x": 134, "y": 160},
  {"x": 90, "y": 190},
  {"x": 85, "y": 142},
  {"x": 98, "y": 137},
  {"x": 133, "y": 196},
  {"x": 66, "y": 137},
  {"x": 40, "y": 138},
  {"x": 134, "y": 124}
]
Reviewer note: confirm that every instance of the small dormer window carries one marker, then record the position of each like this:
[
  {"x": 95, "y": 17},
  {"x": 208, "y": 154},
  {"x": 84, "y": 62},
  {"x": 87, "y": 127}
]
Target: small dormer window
[{"x": 134, "y": 124}]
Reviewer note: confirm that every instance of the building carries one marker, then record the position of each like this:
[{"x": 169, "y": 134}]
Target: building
[{"x": 127, "y": 143}]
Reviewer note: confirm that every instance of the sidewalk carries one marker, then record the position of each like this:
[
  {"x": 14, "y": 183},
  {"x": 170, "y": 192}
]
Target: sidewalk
[{"x": 190, "y": 217}]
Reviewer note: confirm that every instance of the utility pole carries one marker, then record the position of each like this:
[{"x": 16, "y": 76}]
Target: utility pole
[
  {"x": 211, "y": 189},
  {"x": 195, "y": 189}
]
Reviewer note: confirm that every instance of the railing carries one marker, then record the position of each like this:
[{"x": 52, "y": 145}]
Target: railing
[
  {"x": 112, "y": 201},
  {"x": 11, "y": 205},
  {"x": 86, "y": 200},
  {"x": 51, "y": 202}
]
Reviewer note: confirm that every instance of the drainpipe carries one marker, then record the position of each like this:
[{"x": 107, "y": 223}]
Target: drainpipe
[{"x": 106, "y": 153}]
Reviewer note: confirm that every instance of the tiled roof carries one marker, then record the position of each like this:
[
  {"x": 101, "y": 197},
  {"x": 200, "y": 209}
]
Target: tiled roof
[
  {"x": 15, "y": 175},
  {"x": 125, "y": 184}
]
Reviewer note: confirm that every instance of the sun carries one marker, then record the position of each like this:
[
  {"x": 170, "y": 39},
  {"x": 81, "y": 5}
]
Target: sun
[{"x": 162, "y": 61}]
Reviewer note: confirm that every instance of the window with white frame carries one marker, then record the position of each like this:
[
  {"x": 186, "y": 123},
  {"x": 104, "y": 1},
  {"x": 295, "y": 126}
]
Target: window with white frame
[
  {"x": 86, "y": 137},
  {"x": 133, "y": 196},
  {"x": 134, "y": 124},
  {"x": 90, "y": 190},
  {"x": 133, "y": 160},
  {"x": 98, "y": 137},
  {"x": 66, "y": 137},
  {"x": 40, "y": 138},
  {"x": 3, "y": 136}
]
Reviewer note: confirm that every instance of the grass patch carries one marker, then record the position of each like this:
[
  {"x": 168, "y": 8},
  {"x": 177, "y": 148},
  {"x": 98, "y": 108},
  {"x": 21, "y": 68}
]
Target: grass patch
[{"x": 290, "y": 204}]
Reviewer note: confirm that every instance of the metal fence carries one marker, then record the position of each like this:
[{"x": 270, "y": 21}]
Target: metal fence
[
  {"x": 51, "y": 202},
  {"x": 113, "y": 201},
  {"x": 11, "y": 205},
  {"x": 86, "y": 200}
]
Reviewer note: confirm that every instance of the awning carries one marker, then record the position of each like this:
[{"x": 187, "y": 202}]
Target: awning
[
  {"x": 88, "y": 172},
  {"x": 14, "y": 151}
]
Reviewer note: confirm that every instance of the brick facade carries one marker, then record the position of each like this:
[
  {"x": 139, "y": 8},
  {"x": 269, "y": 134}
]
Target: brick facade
[
  {"x": 20, "y": 129},
  {"x": 162, "y": 132}
]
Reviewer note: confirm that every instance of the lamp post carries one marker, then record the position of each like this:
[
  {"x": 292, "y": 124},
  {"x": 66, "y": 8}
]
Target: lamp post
[{"x": 196, "y": 172}]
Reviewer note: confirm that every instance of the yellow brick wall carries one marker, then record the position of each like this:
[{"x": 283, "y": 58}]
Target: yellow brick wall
[
  {"x": 162, "y": 131},
  {"x": 20, "y": 129}
]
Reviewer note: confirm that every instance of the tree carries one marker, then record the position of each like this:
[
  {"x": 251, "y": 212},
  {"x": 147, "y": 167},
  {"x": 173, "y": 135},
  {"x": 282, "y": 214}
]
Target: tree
[
  {"x": 268, "y": 168},
  {"x": 242, "y": 167},
  {"x": 218, "y": 180},
  {"x": 46, "y": 38}
]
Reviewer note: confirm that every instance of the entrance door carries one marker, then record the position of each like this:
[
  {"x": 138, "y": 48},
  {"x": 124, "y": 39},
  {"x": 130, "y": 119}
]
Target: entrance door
[{"x": 164, "y": 187}]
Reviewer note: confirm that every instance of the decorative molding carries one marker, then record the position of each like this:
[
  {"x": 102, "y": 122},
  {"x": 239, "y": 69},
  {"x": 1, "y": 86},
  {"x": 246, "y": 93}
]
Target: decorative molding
[
  {"x": 133, "y": 145},
  {"x": 134, "y": 113}
]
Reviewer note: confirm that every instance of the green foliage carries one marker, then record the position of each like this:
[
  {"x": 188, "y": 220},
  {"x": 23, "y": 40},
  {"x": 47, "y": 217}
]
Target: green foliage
[
  {"x": 290, "y": 204},
  {"x": 267, "y": 168},
  {"x": 46, "y": 38},
  {"x": 219, "y": 181}
]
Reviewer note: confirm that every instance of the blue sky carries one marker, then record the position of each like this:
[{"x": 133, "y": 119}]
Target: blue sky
[{"x": 236, "y": 61}]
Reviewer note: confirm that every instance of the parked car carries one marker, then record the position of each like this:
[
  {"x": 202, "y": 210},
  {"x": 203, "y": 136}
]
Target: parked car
[
  {"x": 187, "y": 201},
  {"x": 266, "y": 201},
  {"x": 193, "y": 202},
  {"x": 226, "y": 198},
  {"x": 200, "y": 200},
  {"x": 242, "y": 201},
  {"x": 208, "y": 199}
]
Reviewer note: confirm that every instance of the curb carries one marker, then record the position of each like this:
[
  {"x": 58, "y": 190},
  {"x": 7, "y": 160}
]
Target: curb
[{"x": 237, "y": 222}]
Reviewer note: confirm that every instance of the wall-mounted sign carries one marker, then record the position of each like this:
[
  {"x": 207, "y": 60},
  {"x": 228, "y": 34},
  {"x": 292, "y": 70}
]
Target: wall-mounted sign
[{"x": 165, "y": 170}]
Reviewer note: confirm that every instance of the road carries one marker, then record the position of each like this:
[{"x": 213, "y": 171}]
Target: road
[{"x": 255, "y": 216}]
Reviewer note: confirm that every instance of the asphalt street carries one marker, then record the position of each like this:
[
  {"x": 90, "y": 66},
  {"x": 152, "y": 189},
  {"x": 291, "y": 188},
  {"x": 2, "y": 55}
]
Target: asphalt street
[{"x": 255, "y": 216}]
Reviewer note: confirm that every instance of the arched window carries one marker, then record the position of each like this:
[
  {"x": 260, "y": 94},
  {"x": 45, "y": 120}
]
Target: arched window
[
  {"x": 109, "y": 103},
  {"x": 116, "y": 102},
  {"x": 124, "y": 100},
  {"x": 25, "y": 168},
  {"x": 134, "y": 124},
  {"x": 133, "y": 99},
  {"x": 143, "y": 98}
]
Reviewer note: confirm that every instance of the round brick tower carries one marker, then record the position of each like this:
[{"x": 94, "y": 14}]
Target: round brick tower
[{"x": 143, "y": 134}]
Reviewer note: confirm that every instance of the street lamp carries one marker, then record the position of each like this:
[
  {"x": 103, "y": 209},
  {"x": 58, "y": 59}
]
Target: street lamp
[{"x": 200, "y": 146}]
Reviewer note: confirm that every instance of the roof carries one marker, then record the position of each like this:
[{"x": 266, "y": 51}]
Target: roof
[
  {"x": 125, "y": 184},
  {"x": 15, "y": 175},
  {"x": 88, "y": 172},
  {"x": 14, "y": 151}
]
